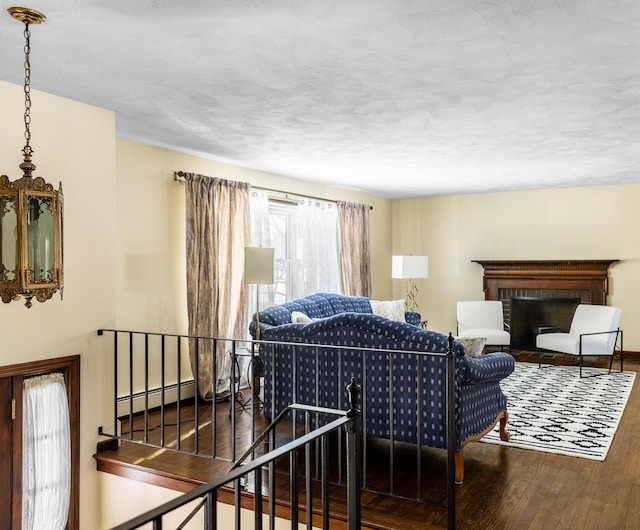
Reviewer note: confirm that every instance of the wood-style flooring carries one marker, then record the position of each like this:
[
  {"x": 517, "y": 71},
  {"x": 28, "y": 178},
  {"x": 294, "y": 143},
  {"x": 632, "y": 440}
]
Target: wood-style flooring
[{"x": 504, "y": 488}]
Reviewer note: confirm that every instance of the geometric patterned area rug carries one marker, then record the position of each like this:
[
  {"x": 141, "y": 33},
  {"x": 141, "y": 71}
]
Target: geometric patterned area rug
[{"x": 552, "y": 409}]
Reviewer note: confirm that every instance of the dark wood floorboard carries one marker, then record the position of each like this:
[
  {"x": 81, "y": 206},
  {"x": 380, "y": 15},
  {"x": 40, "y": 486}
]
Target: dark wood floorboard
[{"x": 504, "y": 488}]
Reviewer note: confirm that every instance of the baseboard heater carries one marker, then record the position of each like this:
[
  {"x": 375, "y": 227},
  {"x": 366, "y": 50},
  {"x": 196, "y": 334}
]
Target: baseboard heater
[{"x": 135, "y": 403}]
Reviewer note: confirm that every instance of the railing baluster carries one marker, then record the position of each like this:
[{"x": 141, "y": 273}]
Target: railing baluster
[
  {"x": 211, "y": 510},
  {"x": 233, "y": 397},
  {"x": 115, "y": 385},
  {"x": 391, "y": 434},
  {"x": 451, "y": 436},
  {"x": 162, "y": 385},
  {"x": 364, "y": 422},
  {"x": 214, "y": 400},
  {"x": 307, "y": 473},
  {"x": 418, "y": 372},
  {"x": 237, "y": 485},
  {"x": 130, "y": 386},
  {"x": 324, "y": 443},
  {"x": 293, "y": 488},
  {"x": 257, "y": 498},
  {"x": 196, "y": 399},
  {"x": 146, "y": 388},
  {"x": 341, "y": 355},
  {"x": 179, "y": 396}
]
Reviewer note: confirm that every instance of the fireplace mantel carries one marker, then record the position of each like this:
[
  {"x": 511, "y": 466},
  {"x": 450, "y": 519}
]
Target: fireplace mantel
[{"x": 589, "y": 278}]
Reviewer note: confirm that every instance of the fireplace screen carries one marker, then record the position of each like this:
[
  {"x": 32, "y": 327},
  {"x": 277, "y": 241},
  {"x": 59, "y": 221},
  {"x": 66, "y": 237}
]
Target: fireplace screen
[{"x": 530, "y": 316}]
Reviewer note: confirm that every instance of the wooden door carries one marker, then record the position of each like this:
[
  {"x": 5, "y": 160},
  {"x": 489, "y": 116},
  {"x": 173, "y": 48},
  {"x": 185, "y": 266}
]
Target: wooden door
[{"x": 6, "y": 452}]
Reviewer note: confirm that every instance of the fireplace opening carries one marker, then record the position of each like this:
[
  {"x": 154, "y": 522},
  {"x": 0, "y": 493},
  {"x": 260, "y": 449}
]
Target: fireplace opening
[{"x": 531, "y": 315}]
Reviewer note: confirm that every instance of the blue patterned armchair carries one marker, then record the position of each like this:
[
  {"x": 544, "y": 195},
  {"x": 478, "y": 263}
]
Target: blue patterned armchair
[{"x": 310, "y": 363}]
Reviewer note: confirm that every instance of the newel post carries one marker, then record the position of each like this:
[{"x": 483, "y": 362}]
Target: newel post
[{"x": 353, "y": 455}]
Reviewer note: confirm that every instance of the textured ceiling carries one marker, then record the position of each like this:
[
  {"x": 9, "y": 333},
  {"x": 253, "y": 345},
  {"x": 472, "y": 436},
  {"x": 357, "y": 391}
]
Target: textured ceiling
[{"x": 398, "y": 98}]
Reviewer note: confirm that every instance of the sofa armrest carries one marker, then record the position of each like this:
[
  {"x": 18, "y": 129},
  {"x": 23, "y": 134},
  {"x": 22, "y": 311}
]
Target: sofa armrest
[
  {"x": 490, "y": 367},
  {"x": 412, "y": 317}
]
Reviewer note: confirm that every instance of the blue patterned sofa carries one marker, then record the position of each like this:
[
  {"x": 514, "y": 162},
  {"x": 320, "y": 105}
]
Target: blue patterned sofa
[{"x": 311, "y": 363}]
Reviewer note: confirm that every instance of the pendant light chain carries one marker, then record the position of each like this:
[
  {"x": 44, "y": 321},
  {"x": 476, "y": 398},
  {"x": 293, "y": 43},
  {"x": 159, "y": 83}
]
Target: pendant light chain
[{"x": 27, "y": 89}]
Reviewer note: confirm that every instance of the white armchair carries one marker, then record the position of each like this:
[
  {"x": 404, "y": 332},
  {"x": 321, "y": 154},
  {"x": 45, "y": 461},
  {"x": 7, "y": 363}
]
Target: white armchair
[
  {"x": 483, "y": 318},
  {"x": 594, "y": 331}
]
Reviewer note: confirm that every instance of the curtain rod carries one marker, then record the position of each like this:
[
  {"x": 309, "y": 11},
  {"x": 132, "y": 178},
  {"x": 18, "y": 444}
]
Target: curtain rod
[{"x": 179, "y": 176}]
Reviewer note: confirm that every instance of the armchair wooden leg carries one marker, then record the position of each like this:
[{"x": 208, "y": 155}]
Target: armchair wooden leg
[{"x": 459, "y": 462}]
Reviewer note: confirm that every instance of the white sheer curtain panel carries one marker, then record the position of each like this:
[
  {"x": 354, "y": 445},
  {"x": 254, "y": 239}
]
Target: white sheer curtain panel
[
  {"x": 46, "y": 456},
  {"x": 317, "y": 268},
  {"x": 260, "y": 236}
]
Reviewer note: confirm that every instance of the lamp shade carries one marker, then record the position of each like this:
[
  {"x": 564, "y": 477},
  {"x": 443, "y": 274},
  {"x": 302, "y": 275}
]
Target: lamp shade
[
  {"x": 410, "y": 267},
  {"x": 258, "y": 265}
]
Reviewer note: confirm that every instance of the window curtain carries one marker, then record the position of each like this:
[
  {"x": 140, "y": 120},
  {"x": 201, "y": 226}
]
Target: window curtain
[
  {"x": 316, "y": 268},
  {"x": 354, "y": 251},
  {"x": 46, "y": 456},
  {"x": 217, "y": 213},
  {"x": 260, "y": 236}
]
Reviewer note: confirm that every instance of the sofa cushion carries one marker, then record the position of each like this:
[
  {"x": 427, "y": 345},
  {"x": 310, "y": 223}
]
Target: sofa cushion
[
  {"x": 391, "y": 309},
  {"x": 473, "y": 346},
  {"x": 297, "y": 317}
]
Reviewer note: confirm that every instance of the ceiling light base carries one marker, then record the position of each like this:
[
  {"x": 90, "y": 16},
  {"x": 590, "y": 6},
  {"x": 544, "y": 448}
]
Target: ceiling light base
[{"x": 24, "y": 14}]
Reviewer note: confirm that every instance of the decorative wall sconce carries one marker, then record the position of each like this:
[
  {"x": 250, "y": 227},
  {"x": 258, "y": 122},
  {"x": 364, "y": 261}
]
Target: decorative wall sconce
[{"x": 31, "y": 212}]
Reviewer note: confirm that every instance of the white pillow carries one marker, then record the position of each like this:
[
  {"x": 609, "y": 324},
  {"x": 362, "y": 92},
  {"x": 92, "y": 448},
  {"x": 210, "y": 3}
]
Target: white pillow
[
  {"x": 297, "y": 317},
  {"x": 391, "y": 309},
  {"x": 473, "y": 346}
]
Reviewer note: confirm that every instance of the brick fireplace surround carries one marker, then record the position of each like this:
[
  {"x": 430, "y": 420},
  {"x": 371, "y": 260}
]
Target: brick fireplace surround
[{"x": 586, "y": 280}]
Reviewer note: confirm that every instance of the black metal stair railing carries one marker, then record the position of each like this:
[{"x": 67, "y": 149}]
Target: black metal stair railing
[
  {"x": 152, "y": 378},
  {"x": 206, "y": 495},
  {"x": 152, "y": 372}
]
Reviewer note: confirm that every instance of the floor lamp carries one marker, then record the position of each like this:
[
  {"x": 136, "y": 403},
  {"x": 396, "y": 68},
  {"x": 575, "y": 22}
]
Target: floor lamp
[
  {"x": 410, "y": 268},
  {"x": 258, "y": 270}
]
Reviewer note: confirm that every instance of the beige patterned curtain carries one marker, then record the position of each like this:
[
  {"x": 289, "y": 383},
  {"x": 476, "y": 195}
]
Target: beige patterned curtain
[
  {"x": 217, "y": 219},
  {"x": 353, "y": 248}
]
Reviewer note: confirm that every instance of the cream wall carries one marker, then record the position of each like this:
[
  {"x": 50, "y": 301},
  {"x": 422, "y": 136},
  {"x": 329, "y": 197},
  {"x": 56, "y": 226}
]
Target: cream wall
[
  {"x": 74, "y": 143},
  {"x": 151, "y": 293},
  {"x": 137, "y": 498},
  {"x": 579, "y": 223}
]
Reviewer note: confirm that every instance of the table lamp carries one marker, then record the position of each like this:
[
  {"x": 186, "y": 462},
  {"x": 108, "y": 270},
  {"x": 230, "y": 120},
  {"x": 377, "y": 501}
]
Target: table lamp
[{"x": 410, "y": 268}]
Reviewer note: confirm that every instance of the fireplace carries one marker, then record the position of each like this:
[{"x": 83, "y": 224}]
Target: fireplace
[
  {"x": 576, "y": 281},
  {"x": 530, "y": 316}
]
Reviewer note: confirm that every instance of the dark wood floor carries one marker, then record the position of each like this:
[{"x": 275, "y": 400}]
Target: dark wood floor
[{"x": 504, "y": 488}]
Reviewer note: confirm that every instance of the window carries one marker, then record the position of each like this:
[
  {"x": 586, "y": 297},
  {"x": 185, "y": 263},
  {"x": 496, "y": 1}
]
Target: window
[
  {"x": 305, "y": 238},
  {"x": 281, "y": 232}
]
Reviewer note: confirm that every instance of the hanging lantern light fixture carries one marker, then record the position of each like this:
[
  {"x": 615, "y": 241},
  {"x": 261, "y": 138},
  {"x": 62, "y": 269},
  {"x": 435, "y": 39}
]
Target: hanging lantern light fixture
[{"x": 31, "y": 212}]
